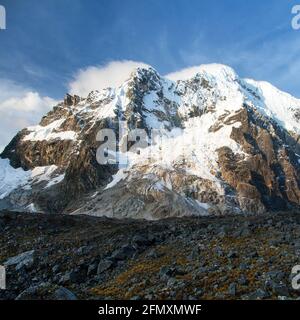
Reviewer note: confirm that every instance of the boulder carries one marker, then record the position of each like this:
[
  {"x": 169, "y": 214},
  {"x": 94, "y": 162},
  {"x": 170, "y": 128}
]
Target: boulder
[{"x": 25, "y": 259}]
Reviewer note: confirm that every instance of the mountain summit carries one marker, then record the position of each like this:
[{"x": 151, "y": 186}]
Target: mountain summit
[{"x": 223, "y": 145}]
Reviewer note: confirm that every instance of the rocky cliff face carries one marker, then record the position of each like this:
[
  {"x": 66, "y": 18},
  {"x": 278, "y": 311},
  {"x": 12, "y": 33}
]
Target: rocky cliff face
[{"x": 221, "y": 145}]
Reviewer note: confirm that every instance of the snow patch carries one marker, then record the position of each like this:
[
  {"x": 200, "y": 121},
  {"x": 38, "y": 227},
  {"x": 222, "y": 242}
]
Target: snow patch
[
  {"x": 11, "y": 178},
  {"x": 41, "y": 133},
  {"x": 55, "y": 181},
  {"x": 275, "y": 104},
  {"x": 32, "y": 208},
  {"x": 119, "y": 176}
]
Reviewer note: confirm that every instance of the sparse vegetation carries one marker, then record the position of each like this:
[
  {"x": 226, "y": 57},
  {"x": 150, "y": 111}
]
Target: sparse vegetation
[{"x": 189, "y": 258}]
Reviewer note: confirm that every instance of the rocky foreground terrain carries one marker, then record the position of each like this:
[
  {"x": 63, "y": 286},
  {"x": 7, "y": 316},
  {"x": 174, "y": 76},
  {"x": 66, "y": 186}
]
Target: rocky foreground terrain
[{"x": 84, "y": 257}]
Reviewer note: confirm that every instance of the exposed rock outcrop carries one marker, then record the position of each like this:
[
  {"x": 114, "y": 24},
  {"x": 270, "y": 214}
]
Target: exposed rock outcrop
[{"x": 223, "y": 145}]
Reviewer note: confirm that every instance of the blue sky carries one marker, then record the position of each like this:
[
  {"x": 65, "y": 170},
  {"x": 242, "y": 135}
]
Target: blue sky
[{"x": 47, "y": 42}]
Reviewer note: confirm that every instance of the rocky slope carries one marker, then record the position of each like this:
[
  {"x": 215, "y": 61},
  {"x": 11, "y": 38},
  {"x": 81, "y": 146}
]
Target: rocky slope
[
  {"x": 220, "y": 144},
  {"x": 68, "y": 257}
]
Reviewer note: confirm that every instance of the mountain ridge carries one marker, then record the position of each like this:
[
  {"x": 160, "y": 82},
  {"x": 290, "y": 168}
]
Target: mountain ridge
[{"x": 225, "y": 145}]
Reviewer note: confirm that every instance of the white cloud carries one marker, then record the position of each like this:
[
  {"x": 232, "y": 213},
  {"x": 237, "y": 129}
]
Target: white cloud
[
  {"x": 96, "y": 78},
  {"x": 184, "y": 74},
  {"x": 19, "y": 107},
  {"x": 30, "y": 101},
  {"x": 190, "y": 72}
]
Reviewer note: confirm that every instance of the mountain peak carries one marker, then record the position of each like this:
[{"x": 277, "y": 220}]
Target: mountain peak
[
  {"x": 71, "y": 100},
  {"x": 144, "y": 73},
  {"x": 218, "y": 71},
  {"x": 145, "y": 69},
  {"x": 225, "y": 145}
]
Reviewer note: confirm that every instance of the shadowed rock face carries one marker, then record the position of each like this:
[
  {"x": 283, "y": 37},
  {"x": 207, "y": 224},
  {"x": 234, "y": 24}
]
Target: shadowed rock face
[
  {"x": 238, "y": 155},
  {"x": 75, "y": 158},
  {"x": 269, "y": 177}
]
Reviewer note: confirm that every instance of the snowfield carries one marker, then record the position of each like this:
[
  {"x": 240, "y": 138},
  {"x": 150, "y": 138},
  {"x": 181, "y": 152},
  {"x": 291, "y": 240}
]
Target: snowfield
[{"x": 11, "y": 178}]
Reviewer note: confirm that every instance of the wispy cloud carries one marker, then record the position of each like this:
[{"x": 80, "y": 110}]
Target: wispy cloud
[
  {"x": 20, "y": 107},
  {"x": 98, "y": 77}
]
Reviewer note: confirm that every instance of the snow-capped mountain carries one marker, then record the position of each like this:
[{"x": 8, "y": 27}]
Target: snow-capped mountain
[{"x": 224, "y": 145}]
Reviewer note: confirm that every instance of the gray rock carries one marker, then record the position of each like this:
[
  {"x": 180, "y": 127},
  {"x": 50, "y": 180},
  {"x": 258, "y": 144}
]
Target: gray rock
[
  {"x": 32, "y": 293},
  {"x": 198, "y": 292},
  {"x": 123, "y": 253},
  {"x": 244, "y": 232},
  {"x": 297, "y": 245},
  {"x": 25, "y": 259},
  {"x": 258, "y": 295},
  {"x": 243, "y": 266},
  {"x": 56, "y": 268},
  {"x": 28, "y": 294},
  {"x": 232, "y": 254},
  {"x": 78, "y": 275},
  {"x": 276, "y": 275},
  {"x": 222, "y": 234},
  {"x": 281, "y": 290},
  {"x": 92, "y": 269},
  {"x": 140, "y": 241},
  {"x": 166, "y": 272},
  {"x": 232, "y": 289},
  {"x": 82, "y": 250},
  {"x": 153, "y": 254},
  {"x": 104, "y": 266},
  {"x": 253, "y": 254},
  {"x": 64, "y": 294},
  {"x": 194, "y": 255},
  {"x": 224, "y": 230},
  {"x": 219, "y": 252},
  {"x": 2, "y": 225},
  {"x": 243, "y": 280},
  {"x": 64, "y": 278},
  {"x": 136, "y": 298},
  {"x": 274, "y": 242},
  {"x": 171, "y": 282}
]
